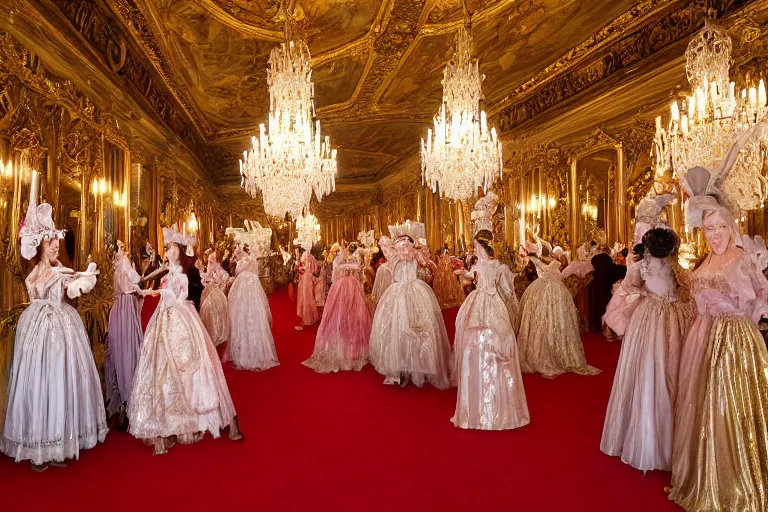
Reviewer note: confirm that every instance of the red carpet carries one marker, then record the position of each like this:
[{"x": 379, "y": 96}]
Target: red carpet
[{"x": 346, "y": 442}]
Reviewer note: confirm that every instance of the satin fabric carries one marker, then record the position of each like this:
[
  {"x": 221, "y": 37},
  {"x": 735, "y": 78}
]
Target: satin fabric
[
  {"x": 179, "y": 388},
  {"x": 490, "y": 386},
  {"x": 639, "y": 419},
  {"x": 252, "y": 346},
  {"x": 55, "y": 404}
]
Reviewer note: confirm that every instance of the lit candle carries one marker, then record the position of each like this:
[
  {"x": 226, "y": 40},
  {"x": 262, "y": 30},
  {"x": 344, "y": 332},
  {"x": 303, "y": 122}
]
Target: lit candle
[
  {"x": 684, "y": 124},
  {"x": 34, "y": 187},
  {"x": 675, "y": 111},
  {"x": 732, "y": 91},
  {"x": 761, "y": 94},
  {"x": 484, "y": 123},
  {"x": 753, "y": 96},
  {"x": 658, "y": 124}
]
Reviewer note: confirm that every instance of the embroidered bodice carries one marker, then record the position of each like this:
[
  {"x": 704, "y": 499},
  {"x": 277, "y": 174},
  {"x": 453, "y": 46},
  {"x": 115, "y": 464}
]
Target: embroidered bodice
[
  {"x": 347, "y": 267},
  {"x": 738, "y": 288},
  {"x": 247, "y": 264},
  {"x": 174, "y": 286},
  {"x": 57, "y": 280},
  {"x": 406, "y": 271}
]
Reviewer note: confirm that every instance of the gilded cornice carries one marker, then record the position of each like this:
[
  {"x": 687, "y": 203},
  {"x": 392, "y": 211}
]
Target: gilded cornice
[
  {"x": 650, "y": 27},
  {"x": 130, "y": 67}
]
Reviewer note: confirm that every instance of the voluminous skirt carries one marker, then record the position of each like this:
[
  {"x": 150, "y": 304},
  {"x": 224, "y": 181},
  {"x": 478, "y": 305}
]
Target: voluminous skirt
[
  {"x": 179, "y": 387},
  {"x": 408, "y": 335},
  {"x": 214, "y": 312},
  {"x": 55, "y": 404},
  {"x": 252, "y": 346},
  {"x": 491, "y": 394},
  {"x": 306, "y": 301},
  {"x": 639, "y": 421},
  {"x": 549, "y": 341},
  {"x": 342, "y": 338},
  {"x": 124, "y": 341},
  {"x": 720, "y": 458}
]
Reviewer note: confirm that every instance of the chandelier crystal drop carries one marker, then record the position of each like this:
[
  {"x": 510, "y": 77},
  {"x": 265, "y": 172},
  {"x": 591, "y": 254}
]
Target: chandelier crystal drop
[
  {"x": 461, "y": 154},
  {"x": 290, "y": 159},
  {"x": 704, "y": 126},
  {"x": 307, "y": 231}
]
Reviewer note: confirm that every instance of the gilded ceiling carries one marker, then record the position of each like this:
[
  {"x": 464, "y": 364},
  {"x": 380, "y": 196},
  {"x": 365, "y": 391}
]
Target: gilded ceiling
[{"x": 378, "y": 64}]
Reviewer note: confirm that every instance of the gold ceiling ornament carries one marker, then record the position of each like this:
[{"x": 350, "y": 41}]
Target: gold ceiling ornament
[
  {"x": 290, "y": 160},
  {"x": 704, "y": 126},
  {"x": 461, "y": 154}
]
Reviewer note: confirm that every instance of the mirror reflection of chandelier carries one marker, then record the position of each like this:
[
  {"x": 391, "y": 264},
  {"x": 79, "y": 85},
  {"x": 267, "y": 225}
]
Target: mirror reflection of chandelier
[
  {"x": 290, "y": 160},
  {"x": 461, "y": 155},
  {"x": 705, "y": 125}
]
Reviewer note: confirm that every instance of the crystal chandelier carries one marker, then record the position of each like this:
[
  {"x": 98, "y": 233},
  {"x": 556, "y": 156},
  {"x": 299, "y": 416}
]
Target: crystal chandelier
[
  {"x": 290, "y": 159},
  {"x": 461, "y": 154},
  {"x": 705, "y": 125}
]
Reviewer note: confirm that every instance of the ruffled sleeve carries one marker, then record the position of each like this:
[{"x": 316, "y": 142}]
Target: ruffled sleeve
[{"x": 624, "y": 301}]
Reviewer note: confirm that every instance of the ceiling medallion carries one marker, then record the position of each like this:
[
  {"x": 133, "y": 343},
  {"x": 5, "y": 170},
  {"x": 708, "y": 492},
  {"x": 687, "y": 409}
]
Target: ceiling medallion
[
  {"x": 290, "y": 159},
  {"x": 708, "y": 122},
  {"x": 461, "y": 155}
]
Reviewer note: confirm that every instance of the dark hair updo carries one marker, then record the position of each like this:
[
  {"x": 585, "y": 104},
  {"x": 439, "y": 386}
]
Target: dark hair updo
[
  {"x": 485, "y": 239},
  {"x": 660, "y": 242}
]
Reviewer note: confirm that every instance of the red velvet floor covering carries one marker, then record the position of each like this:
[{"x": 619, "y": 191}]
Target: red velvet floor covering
[{"x": 346, "y": 442}]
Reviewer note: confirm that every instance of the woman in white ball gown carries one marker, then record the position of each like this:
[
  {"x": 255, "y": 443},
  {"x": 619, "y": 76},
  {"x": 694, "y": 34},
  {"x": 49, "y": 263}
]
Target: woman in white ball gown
[
  {"x": 179, "y": 391},
  {"x": 491, "y": 394},
  {"x": 408, "y": 336},
  {"x": 252, "y": 346},
  {"x": 55, "y": 403}
]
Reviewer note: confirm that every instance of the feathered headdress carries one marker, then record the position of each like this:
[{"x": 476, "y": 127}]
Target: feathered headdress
[
  {"x": 172, "y": 236},
  {"x": 366, "y": 238},
  {"x": 705, "y": 187},
  {"x": 255, "y": 236},
  {"x": 408, "y": 229},
  {"x": 482, "y": 214},
  {"x": 647, "y": 215},
  {"x": 36, "y": 227}
]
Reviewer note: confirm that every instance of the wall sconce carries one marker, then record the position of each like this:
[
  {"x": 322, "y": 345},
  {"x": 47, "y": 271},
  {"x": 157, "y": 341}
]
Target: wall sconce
[{"x": 6, "y": 169}]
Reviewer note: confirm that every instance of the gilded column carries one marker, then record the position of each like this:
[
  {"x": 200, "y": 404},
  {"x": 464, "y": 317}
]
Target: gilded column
[
  {"x": 573, "y": 201},
  {"x": 621, "y": 195}
]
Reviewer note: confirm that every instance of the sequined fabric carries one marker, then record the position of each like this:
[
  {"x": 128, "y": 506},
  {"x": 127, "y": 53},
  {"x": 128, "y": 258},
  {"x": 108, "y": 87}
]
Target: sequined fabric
[
  {"x": 179, "y": 387},
  {"x": 639, "y": 420},
  {"x": 549, "y": 339},
  {"x": 342, "y": 338},
  {"x": 214, "y": 308},
  {"x": 490, "y": 387},
  {"x": 448, "y": 289},
  {"x": 720, "y": 450},
  {"x": 408, "y": 333},
  {"x": 252, "y": 346},
  {"x": 55, "y": 403}
]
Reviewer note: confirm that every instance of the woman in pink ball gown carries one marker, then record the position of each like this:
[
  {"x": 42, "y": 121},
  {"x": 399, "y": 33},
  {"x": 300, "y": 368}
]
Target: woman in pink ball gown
[
  {"x": 342, "y": 338},
  {"x": 638, "y": 424},
  {"x": 720, "y": 442},
  {"x": 491, "y": 394},
  {"x": 306, "y": 299}
]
